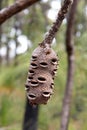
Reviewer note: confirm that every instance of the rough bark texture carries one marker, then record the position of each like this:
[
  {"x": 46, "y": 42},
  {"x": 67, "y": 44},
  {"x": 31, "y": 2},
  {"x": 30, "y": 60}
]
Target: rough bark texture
[
  {"x": 70, "y": 60},
  {"x": 16, "y": 26},
  {"x": 18, "y": 6},
  {"x": 0, "y": 31},
  {"x": 0, "y": 43},
  {"x": 56, "y": 25},
  {"x": 30, "y": 117}
]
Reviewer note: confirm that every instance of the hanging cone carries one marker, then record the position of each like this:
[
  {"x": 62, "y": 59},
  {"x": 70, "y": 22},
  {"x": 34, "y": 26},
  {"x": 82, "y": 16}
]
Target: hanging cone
[{"x": 43, "y": 66}]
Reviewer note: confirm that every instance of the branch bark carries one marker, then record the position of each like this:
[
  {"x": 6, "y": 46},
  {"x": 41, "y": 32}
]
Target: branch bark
[
  {"x": 70, "y": 72},
  {"x": 30, "y": 117},
  {"x": 0, "y": 33},
  {"x": 56, "y": 25},
  {"x": 18, "y": 6}
]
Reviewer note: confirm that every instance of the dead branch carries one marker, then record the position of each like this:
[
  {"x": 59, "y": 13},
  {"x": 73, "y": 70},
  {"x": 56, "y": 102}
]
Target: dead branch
[
  {"x": 18, "y": 6},
  {"x": 70, "y": 71},
  {"x": 56, "y": 25}
]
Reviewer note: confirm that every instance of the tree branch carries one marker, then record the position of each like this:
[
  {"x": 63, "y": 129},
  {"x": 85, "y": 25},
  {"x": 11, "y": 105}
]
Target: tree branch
[
  {"x": 56, "y": 25},
  {"x": 18, "y": 6},
  {"x": 70, "y": 72}
]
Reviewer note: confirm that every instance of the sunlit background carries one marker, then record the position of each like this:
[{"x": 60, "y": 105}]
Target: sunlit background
[{"x": 18, "y": 37}]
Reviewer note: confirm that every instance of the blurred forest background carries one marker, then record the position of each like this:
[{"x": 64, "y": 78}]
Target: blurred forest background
[{"x": 18, "y": 37}]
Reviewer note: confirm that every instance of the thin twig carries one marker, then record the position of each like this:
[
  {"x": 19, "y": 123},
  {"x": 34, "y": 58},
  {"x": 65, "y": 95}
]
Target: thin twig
[{"x": 56, "y": 25}]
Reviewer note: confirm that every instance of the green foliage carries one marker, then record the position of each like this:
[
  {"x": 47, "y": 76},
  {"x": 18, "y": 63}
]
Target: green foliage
[
  {"x": 43, "y": 118},
  {"x": 13, "y": 73},
  {"x": 4, "y": 111},
  {"x": 82, "y": 40},
  {"x": 50, "y": 113},
  {"x": 10, "y": 108},
  {"x": 12, "y": 78},
  {"x": 15, "y": 78}
]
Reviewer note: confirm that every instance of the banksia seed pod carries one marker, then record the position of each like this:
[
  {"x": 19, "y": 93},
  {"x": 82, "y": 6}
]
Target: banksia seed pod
[{"x": 43, "y": 66}]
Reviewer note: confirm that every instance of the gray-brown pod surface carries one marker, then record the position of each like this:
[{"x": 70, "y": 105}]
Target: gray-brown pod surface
[{"x": 43, "y": 66}]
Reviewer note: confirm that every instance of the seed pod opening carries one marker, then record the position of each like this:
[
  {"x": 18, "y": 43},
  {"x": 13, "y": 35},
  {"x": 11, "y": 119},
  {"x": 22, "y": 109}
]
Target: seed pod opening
[
  {"x": 34, "y": 83},
  {"x": 43, "y": 67},
  {"x": 54, "y": 61},
  {"x": 34, "y": 58},
  {"x": 52, "y": 85},
  {"x": 34, "y": 65},
  {"x": 43, "y": 64},
  {"x": 31, "y": 96},
  {"x": 41, "y": 79},
  {"x": 31, "y": 71},
  {"x": 30, "y": 77},
  {"x": 27, "y": 87},
  {"x": 46, "y": 94}
]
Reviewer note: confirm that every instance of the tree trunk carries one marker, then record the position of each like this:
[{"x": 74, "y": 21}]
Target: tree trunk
[
  {"x": 85, "y": 5},
  {"x": 70, "y": 70},
  {"x": 7, "y": 51},
  {"x": 0, "y": 43},
  {"x": 30, "y": 117},
  {"x": 16, "y": 26},
  {"x": 0, "y": 32}
]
